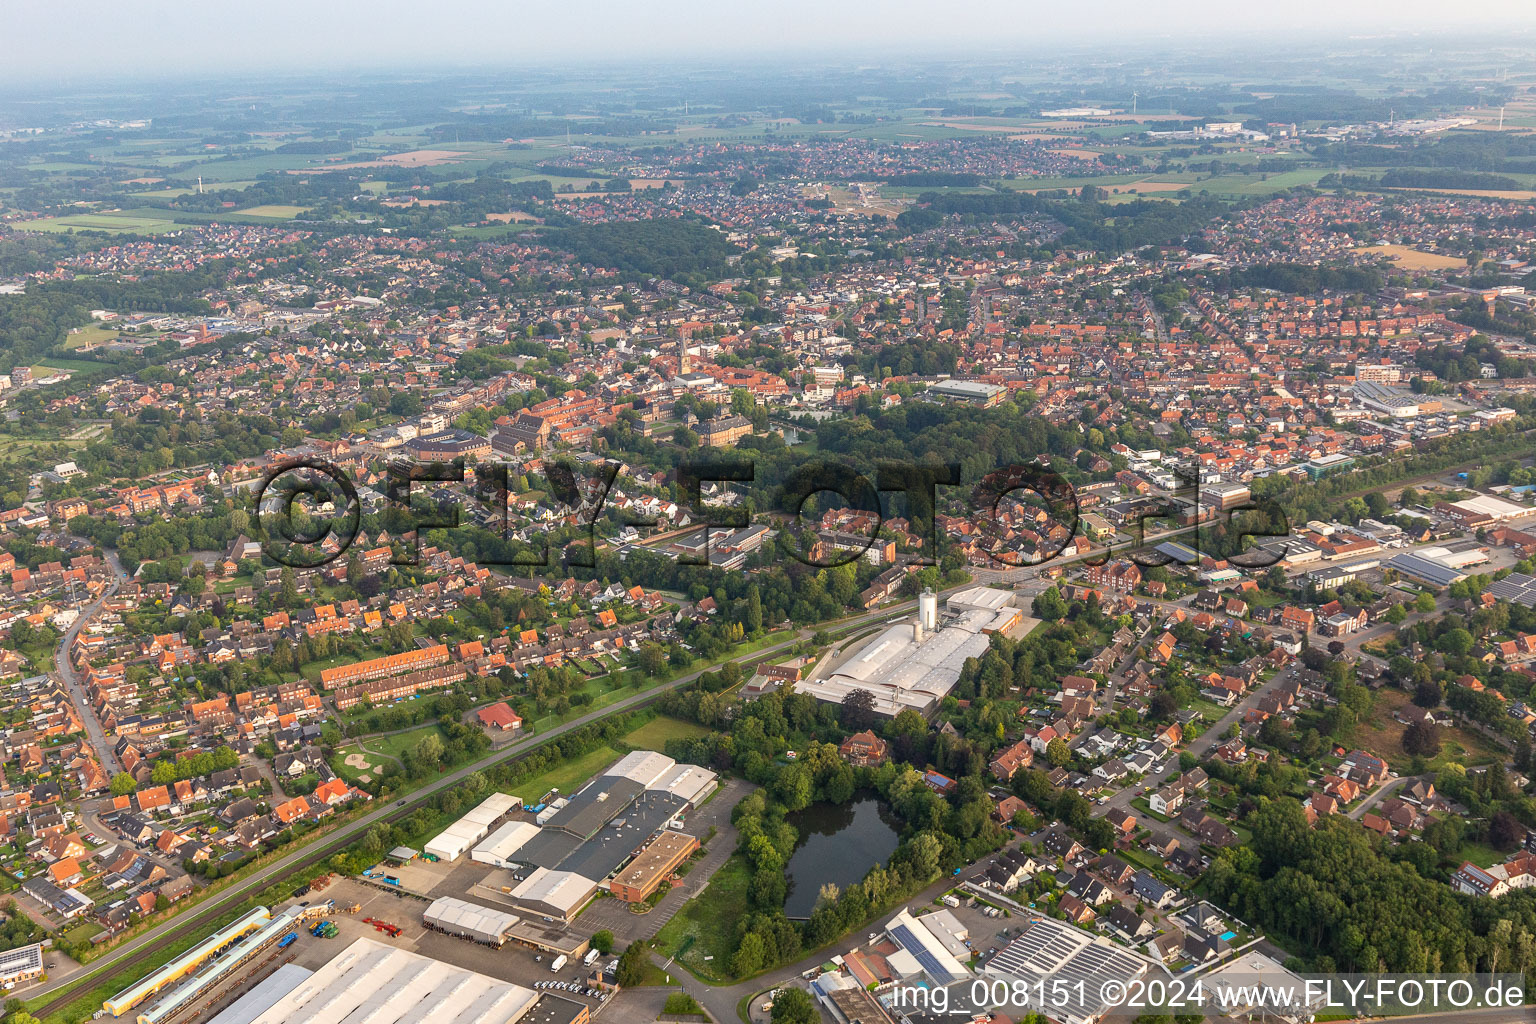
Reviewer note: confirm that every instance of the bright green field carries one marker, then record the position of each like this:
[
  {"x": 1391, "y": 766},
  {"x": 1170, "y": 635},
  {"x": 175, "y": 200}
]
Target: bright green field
[
  {"x": 143, "y": 221},
  {"x": 653, "y": 735},
  {"x": 567, "y": 777},
  {"x": 287, "y": 212}
]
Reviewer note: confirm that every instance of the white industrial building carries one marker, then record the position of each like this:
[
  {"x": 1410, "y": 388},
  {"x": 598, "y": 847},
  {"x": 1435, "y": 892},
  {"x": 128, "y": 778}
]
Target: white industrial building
[
  {"x": 451, "y": 844},
  {"x": 384, "y": 985},
  {"x": 557, "y": 894},
  {"x": 642, "y": 766},
  {"x": 493, "y": 808},
  {"x": 500, "y": 845},
  {"x": 922, "y": 951},
  {"x": 914, "y": 665},
  {"x": 688, "y": 782},
  {"x": 470, "y": 920},
  {"x": 1496, "y": 508}
]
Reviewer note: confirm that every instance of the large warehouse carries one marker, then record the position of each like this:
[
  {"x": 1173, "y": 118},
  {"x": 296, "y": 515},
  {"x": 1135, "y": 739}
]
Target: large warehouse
[
  {"x": 469, "y": 920},
  {"x": 908, "y": 666},
  {"x": 605, "y": 822},
  {"x": 556, "y": 894},
  {"x": 450, "y": 844},
  {"x": 500, "y": 846},
  {"x": 383, "y": 985},
  {"x": 1055, "y": 951}
]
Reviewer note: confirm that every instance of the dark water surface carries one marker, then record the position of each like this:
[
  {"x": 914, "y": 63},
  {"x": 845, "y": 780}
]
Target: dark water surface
[{"x": 838, "y": 843}]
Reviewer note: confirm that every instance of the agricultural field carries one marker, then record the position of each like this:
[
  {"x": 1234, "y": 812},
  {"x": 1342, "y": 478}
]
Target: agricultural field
[
  {"x": 141, "y": 221},
  {"x": 275, "y": 210},
  {"x": 1410, "y": 258}
]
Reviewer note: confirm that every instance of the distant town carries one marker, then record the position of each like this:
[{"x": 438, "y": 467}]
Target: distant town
[{"x": 547, "y": 551}]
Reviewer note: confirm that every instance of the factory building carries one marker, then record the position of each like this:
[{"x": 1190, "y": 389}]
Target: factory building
[
  {"x": 915, "y": 664},
  {"x": 556, "y": 894},
  {"x": 469, "y": 920},
  {"x": 652, "y": 866},
  {"x": 384, "y": 985}
]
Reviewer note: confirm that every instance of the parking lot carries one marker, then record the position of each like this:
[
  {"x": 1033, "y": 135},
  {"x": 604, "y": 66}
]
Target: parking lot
[
  {"x": 513, "y": 963},
  {"x": 615, "y": 916}
]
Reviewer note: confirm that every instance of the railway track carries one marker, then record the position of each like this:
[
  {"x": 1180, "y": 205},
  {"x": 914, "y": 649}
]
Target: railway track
[{"x": 203, "y": 917}]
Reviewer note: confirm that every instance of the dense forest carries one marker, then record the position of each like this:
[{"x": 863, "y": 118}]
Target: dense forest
[
  {"x": 648, "y": 248},
  {"x": 1090, "y": 224}
]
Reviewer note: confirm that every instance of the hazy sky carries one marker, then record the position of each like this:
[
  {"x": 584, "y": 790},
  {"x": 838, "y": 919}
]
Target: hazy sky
[{"x": 79, "y": 38}]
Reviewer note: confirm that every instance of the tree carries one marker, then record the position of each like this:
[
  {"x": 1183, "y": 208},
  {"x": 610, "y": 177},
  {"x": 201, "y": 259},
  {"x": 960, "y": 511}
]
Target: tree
[
  {"x": 1421, "y": 739},
  {"x": 754, "y": 621},
  {"x": 858, "y": 711},
  {"x": 749, "y": 957},
  {"x": 653, "y": 658},
  {"x": 1049, "y": 605},
  {"x": 430, "y": 748},
  {"x": 631, "y": 970},
  {"x": 123, "y": 784},
  {"x": 602, "y": 941},
  {"x": 1505, "y": 831},
  {"x": 1424, "y": 603},
  {"x": 1427, "y": 694},
  {"x": 1456, "y": 642},
  {"x": 1057, "y": 752},
  {"x": 794, "y": 1006}
]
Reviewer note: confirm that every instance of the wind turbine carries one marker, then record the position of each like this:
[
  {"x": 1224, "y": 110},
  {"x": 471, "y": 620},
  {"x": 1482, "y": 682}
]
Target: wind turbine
[{"x": 1134, "y": 96}]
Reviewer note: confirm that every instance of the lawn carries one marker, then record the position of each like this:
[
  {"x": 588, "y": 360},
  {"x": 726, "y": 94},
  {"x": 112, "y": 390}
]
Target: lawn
[
  {"x": 654, "y": 734},
  {"x": 393, "y": 746},
  {"x": 91, "y": 334},
  {"x": 1382, "y": 735},
  {"x": 567, "y": 777},
  {"x": 1480, "y": 854},
  {"x": 706, "y": 924}
]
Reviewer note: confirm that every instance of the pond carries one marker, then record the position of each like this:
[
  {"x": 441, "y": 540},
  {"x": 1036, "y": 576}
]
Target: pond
[{"x": 838, "y": 843}]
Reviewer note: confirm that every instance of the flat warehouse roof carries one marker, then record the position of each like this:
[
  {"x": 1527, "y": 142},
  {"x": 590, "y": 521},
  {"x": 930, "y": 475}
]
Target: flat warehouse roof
[
  {"x": 601, "y": 800},
  {"x": 258, "y": 999},
  {"x": 547, "y": 849},
  {"x": 465, "y": 918},
  {"x": 685, "y": 781},
  {"x": 601, "y": 855},
  {"x": 553, "y": 1009},
  {"x": 1517, "y": 587},
  {"x": 643, "y": 766},
  {"x": 507, "y": 840},
  {"x": 563, "y": 890},
  {"x": 1053, "y": 950},
  {"x": 384, "y": 985},
  {"x": 660, "y": 856}
]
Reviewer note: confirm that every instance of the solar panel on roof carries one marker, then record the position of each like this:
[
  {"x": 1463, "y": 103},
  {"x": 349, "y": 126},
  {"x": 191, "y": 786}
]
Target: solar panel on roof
[{"x": 903, "y": 935}]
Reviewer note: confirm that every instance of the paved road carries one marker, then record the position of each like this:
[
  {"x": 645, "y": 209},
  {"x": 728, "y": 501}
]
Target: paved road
[
  {"x": 71, "y": 678},
  {"x": 289, "y": 861},
  {"x": 721, "y": 1000},
  {"x": 1379, "y": 794},
  {"x": 393, "y": 807}
]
